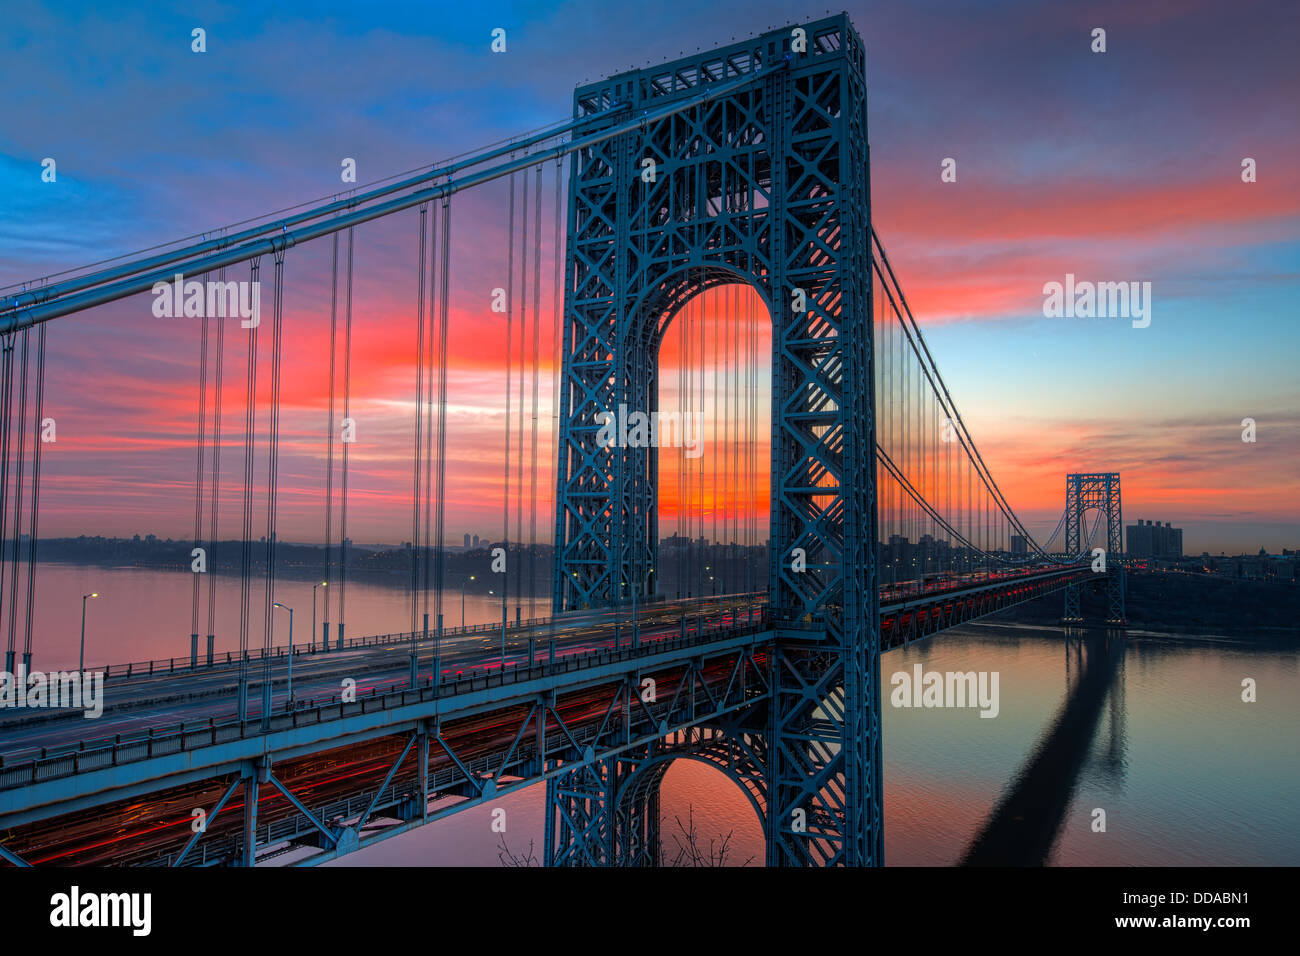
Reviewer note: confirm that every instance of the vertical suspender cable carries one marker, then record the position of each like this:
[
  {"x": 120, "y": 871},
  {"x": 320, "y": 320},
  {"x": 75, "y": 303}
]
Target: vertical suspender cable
[
  {"x": 739, "y": 439},
  {"x": 6, "y": 404},
  {"x": 429, "y": 365},
  {"x": 329, "y": 445},
  {"x": 537, "y": 327},
  {"x": 715, "y": 490},
  {"x": 723, "y": 299},
  {"x": 557, "y": 309},
  {"x": 684, "y": 332},
  {"x": 505, "y": 489},
  {"x": 523, "y": 374},
  {"x": 6, "y": 392},
  {"x": 347, "y": 420},
  {"x": 200, "y": 438},
  {"x": 733, "y": 424},
  {"x": 36, "y": 498},
  {"x": 701, "y": 360},
  {"x": 419, "y": 420},
  {"x": 216, "y": 479},
  {"x": 759, "y": 362},
  {"x": 751, "y": 438},
  {"x": 272, "y": 484},
  {"x": 18, "y": 499},
  {"x": 439, "y": 533},
  {"x": 246, "y": 533},
  {"x": 680, "y": 557}
]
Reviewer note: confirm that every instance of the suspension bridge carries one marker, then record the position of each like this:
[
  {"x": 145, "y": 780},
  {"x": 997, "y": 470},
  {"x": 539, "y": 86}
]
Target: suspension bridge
[{"x": 708, "y": 227}]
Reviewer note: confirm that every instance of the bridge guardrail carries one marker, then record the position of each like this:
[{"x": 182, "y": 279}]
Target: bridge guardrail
[{"x": 170, "y": 665}]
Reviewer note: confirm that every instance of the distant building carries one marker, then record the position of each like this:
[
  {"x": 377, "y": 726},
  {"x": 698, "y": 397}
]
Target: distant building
[
  {"x": 1148, "y": 539},
  {"x": 466, "y": 540},
  {"x": 1019, "y": 544},
  {"x": 476, "y": 541}
]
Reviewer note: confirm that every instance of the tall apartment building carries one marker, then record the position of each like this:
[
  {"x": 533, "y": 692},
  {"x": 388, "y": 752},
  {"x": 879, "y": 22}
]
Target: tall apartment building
[{"x": 1148, "y": 539}]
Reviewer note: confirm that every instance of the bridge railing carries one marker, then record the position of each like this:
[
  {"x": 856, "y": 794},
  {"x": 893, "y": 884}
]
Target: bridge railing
[
  {"x": 112, "y": 752},
  {"x": 172, "y": 665}
]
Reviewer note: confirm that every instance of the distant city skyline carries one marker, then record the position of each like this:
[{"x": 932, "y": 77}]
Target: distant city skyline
[{"x": 455, "y": 542}]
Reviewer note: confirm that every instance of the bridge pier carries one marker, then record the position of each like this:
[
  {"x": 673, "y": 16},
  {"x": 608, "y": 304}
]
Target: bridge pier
[
  {"x": 579, "y": 829},
  {"x": 609, "y": 814}
]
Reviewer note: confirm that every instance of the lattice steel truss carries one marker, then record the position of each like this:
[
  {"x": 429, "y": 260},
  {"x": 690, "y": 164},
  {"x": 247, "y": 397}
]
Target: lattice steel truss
[
  {"x": 769, "y": 186},
  {"x": 1084, "y": 492}
]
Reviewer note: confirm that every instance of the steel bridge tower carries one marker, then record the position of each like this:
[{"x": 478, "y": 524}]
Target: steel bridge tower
[
  {"x": 767, "y": 185},
  {"x": 1084, "y": 492}
]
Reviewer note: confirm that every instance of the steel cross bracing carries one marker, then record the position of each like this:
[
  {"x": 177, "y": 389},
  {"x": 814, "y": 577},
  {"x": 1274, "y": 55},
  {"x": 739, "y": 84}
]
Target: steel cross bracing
[
  {"x": 766, "y": 186},
  {"x": 1099, "y": 491}
]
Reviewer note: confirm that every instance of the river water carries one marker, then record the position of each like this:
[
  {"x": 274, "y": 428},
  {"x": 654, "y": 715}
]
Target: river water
[{"x": 1184, "y": 770}]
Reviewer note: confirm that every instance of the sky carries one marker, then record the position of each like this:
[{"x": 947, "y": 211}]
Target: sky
[{"x": 1123, "y": 165}]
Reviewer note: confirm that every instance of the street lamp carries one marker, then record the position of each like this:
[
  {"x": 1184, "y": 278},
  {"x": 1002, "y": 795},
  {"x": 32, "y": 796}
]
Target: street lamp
[
  {"x": 503, "y": 625},
  {"x": 290, "y": 610},
  {"x": 325, "y": 638},
  {"x": 462, "y": 602},
  {"x": 81, "y": 666}
]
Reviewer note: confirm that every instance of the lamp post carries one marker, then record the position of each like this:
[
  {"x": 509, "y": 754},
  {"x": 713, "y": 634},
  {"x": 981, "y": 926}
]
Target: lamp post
[
  {"x": 312, "y": 642},
  {"x": 503, "y": 625},
  {"x": 462, "y": 602},
  {"x": 290, "y": 610},
  {"x": 81, "y": 665}
]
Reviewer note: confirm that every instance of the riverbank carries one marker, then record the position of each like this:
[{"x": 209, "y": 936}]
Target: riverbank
[{"x": 1167, "y": 602}]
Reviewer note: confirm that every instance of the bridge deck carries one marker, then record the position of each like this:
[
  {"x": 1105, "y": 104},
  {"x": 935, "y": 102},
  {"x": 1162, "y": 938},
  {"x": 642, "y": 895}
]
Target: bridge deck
[{"x": 173, "y": 738}]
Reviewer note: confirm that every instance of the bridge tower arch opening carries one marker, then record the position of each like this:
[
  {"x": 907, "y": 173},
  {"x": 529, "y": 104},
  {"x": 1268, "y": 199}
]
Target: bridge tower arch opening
[
  {"x": 766, "y": 181},
  {"x": 640, "y": 838},
  {"x": 710, "y": 466}
]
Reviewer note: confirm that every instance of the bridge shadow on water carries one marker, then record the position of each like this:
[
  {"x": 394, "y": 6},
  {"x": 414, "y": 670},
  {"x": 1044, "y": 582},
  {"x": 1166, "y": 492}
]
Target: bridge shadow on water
[{"x": 1024, "y": 825}]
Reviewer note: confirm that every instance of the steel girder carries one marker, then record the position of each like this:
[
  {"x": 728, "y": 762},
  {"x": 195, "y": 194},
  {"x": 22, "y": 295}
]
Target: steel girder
[
  {"x": 1101, "y": 491},
  {"x": 767, "y": 186}
]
